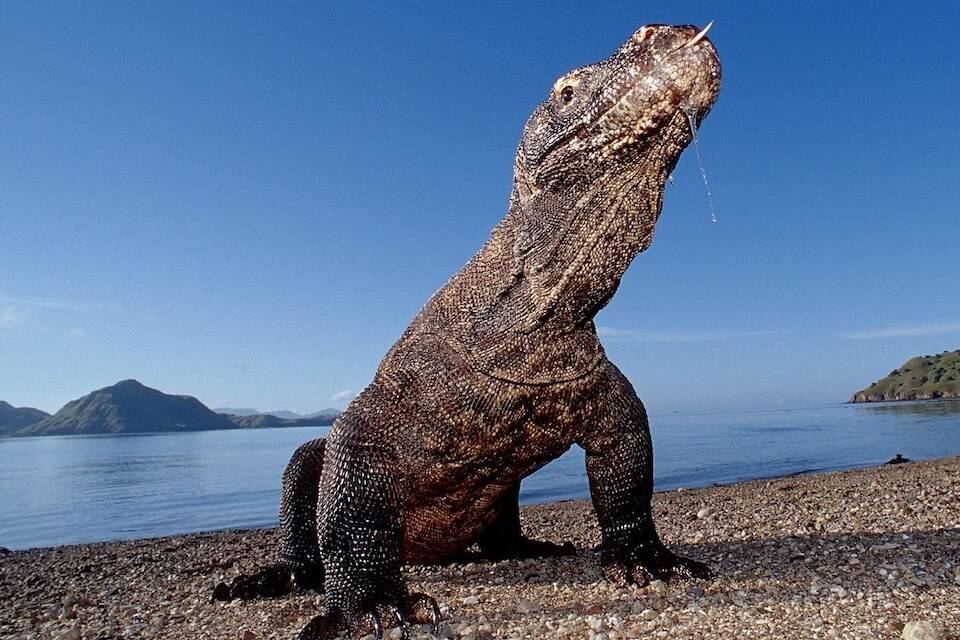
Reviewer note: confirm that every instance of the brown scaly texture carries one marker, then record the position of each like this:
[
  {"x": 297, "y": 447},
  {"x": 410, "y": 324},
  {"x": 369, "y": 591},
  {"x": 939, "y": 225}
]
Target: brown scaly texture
[{"x": 502, "y": 371}]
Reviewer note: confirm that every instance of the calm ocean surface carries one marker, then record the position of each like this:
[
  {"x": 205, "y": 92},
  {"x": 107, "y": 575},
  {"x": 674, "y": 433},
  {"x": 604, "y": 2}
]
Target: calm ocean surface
[{"x": 73, "y": 489}]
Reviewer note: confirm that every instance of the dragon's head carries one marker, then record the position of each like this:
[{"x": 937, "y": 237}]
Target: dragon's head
[
  {"x": 624, "y": 116},
  {"x": 588, "y": 186}
]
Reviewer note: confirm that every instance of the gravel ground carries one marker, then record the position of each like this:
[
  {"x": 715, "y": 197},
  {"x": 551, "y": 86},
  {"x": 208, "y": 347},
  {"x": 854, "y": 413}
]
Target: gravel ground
[{"x": 872, "y": 553}]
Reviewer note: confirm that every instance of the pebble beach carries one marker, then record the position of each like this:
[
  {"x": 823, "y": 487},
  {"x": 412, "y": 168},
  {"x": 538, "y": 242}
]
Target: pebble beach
[{"x": 871, "y": 553}]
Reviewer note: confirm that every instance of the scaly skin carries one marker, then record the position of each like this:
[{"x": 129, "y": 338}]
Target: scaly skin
[{"x": 502, "y": 371}]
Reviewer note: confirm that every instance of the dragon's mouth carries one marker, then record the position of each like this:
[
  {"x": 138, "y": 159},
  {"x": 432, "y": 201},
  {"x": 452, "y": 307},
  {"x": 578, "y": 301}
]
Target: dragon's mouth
[
  {"x": 603, "y": 115},
  {"x": 667, "y": 69}
]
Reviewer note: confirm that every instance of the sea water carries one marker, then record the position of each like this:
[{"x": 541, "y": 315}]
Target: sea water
[{"x": 72, "y": 489}]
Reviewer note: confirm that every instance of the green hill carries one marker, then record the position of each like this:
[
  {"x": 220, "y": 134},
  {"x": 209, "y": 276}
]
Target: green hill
[
  {"x": 129, "y": 407},
  {"x": 921, "y": 378},
  {"x": 16, "y": 418},
  {"x": 269, "y": 421}
]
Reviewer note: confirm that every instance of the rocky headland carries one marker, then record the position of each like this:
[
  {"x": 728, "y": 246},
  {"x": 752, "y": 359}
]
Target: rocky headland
[{"x": 920, "y": 378}]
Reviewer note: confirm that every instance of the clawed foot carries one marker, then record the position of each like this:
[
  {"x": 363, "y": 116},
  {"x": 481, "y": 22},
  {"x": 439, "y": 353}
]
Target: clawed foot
[
  {"x": 641, "y": 565},
  {"x": 416, "y": 608},
  {"x": 270, "y": 582}
]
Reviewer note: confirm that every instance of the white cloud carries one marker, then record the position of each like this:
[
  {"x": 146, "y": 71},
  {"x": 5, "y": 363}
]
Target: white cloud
[
  {"x": 342, "y": 396},
  {"x": 9, "y": 316},
  {"x": 904, "y": 331},
  {"x": 670, "y": 335},
  {"x": 41, "y": 303}
]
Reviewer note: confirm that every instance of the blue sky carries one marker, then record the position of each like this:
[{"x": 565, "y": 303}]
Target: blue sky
[{"x": 248, "y": 202}]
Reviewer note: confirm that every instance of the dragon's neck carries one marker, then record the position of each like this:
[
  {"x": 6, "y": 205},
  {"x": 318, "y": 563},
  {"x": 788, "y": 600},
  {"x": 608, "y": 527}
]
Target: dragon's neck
[
  {"x": 521, "y": 308},
  {"x": 574, "y": 260}
]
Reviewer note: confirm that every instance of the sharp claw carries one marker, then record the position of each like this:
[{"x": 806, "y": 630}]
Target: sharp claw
[
  {"x": 435, "y": 616},
  {"x": 401, "y": 624},
  {"x": 377, "y": 626}
]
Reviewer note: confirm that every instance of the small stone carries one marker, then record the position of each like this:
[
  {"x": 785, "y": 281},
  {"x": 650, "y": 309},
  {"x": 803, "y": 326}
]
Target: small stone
[
  {"x": 706, "y": 512},
  {"x": 70, "y": 634},
  {"x": 840, "y": 591},
  {"x": 471, "y": 600},
  {"x": 921, "y": 631},
  {"x": 600, "y": 636},
  {"x": 658, "y": 586},
  {"x": 648, "y": 614},
  {"x": 528, "y": 606},
  {"x": 246, "y": 634},
  {"x": 444, "y": 632}
]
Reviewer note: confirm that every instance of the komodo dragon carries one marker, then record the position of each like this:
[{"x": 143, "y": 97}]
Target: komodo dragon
[{"x": 502, "y": 370}]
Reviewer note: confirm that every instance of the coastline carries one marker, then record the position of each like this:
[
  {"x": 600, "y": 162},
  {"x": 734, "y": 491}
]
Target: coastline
[
  {"x": 854, "y": 554},
  {"x": 863, "y": 398}
]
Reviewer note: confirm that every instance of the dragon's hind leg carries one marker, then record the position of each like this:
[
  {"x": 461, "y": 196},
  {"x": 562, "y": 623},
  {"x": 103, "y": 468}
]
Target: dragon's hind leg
[
  {"x": 300, "y": 566},
  {"x": 504, "y": 540}
]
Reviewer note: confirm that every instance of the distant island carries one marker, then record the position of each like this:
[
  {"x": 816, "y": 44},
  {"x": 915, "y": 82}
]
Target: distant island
[
  {"x": 920, "y": 378},
  {"x": 280, "y": 413},
  {"x": 131, "y": 407},
  {"x": 15, "y": 418}
]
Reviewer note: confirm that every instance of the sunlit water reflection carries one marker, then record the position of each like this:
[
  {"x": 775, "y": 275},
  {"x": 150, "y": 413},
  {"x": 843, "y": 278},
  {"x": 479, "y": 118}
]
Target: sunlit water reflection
[{"x": 59, "y": 490}]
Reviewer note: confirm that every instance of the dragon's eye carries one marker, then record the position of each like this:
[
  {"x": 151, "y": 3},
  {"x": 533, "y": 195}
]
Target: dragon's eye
[{"x": 566, "y": 94}]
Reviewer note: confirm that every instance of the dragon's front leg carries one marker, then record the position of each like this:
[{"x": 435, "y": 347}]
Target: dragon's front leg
[
  {"x": 620, "y": 470},
  {"x": 359, "y": 529}
]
